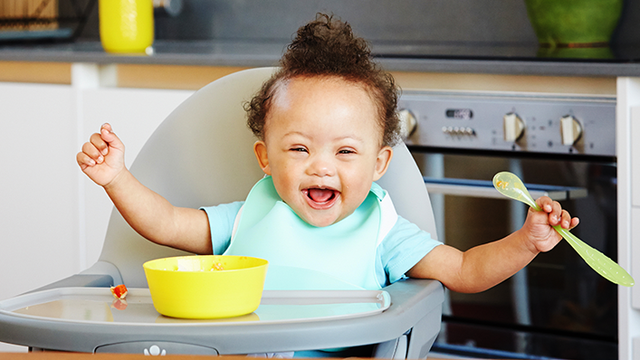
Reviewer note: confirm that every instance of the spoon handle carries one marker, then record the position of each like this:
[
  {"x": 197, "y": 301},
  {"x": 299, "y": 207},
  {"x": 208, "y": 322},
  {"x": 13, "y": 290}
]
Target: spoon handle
[{"x": 603, "y": 265}]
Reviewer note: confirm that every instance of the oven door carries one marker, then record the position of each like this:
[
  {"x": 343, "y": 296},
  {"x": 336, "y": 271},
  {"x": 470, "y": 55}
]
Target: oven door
[{"x": 556, "y": 307}]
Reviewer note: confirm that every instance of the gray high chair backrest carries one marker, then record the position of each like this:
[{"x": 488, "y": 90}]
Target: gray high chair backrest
[{"x": 202, "y": 154}]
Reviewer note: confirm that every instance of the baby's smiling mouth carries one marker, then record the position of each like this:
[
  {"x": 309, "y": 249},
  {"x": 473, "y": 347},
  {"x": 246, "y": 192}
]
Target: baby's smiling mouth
[{"x": 321, "y": 198}]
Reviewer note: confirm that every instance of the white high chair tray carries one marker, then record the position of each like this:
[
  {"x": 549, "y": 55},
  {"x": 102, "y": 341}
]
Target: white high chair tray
[
  {"x": 86, "y": 319},
  {"x": 97, "y": 305}
]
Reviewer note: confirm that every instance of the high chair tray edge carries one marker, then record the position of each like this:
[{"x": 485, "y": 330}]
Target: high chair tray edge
[{"x": 409, "y": 300}]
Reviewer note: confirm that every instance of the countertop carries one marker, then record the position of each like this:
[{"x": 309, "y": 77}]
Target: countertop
[{"x": 254, "y": 54}]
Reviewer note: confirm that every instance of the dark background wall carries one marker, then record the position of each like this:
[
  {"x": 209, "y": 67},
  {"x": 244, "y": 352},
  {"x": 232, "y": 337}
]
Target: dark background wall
[{"x": 438, "y": 21}]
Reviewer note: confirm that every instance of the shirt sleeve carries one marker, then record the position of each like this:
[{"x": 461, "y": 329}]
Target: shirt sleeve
[
  {"x": 221, "y": 219},
  {"x": 402, "y": 248}
]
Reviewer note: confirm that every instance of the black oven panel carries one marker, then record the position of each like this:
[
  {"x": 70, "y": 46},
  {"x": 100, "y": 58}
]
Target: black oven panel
[
  {"x": 560, "y": 124},
  {"x": 556, "y": 307}
]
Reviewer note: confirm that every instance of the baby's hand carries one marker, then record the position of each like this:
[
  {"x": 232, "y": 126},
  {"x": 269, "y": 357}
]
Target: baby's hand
[
  {"x": 102, "y": 157},
  {"x": 538, "y": 225}
]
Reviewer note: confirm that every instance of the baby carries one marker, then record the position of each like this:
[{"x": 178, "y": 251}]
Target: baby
[{"x": 326, "y": 123}]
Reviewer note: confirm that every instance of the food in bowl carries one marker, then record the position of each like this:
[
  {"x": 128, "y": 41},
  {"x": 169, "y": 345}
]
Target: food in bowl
[
  {"x": 187, "y": 264},
  {"x": 206, "y": 287}
]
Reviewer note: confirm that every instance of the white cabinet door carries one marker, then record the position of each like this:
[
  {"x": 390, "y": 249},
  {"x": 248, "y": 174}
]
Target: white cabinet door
[
  {"x": 635, "y": 157},
  {"x": 134, "y": 114},
  {"x": 635, "y": 201},
  {"x": 628, "y": 154},
  {"x": 52, "y": 218},
  {"x": 38, "y": 186}
]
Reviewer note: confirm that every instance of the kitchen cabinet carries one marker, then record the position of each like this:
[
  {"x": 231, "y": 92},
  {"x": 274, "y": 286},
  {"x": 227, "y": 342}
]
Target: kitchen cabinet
[
  {"x": 635, "y": 156},
  {"x": 628, "y": 157},
  {"x": 38, "y": 196},
  {"x": 38, "y": 215},
  {"x": 630, "y": 190},
  {"x": 634, "y": 188},
  {"x": 53, "y": 219}
]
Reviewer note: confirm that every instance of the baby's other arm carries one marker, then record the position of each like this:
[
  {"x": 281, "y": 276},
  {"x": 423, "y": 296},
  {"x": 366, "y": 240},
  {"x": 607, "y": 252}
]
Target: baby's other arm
[
  {"x": 151, "y": 215},
  {"x": 487, "y": 265}
]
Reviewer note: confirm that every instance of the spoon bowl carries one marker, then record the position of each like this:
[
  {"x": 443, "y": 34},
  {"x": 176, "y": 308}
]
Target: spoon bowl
[{"x": 510, "y": 185}]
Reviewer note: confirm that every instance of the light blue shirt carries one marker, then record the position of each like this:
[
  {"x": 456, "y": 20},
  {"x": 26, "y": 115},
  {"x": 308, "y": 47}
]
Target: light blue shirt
[{"x": 399, "y": 251}]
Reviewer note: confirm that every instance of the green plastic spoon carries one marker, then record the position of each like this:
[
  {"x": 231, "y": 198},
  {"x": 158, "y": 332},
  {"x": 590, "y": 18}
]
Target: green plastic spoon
[{"x": 510, "y": 185}]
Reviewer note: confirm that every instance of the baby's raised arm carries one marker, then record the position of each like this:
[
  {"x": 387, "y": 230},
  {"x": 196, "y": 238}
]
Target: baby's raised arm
[
  {"x": 151, "y": 215},
  {"x": 485, "y": 266}
]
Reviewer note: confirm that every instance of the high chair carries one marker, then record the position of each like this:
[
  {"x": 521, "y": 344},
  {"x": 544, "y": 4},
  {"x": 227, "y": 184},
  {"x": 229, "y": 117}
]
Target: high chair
[{"x": 202, "y": 155}]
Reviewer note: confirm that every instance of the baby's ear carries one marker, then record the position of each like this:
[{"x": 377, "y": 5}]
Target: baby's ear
[
  {"x": 382, "y": 162},
  {"x": 260, "y": 149}
]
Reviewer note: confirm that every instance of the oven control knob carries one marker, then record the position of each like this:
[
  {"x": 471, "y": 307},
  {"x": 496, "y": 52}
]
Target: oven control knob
[
  {"x": 513, "y": 127},
  {"x": 408, "y": 123},
  {"x": 570, "y": 129}
]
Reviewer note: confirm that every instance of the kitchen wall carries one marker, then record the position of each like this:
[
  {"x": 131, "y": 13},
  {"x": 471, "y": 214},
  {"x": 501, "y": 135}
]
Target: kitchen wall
[
  {"x": 439, "y": 21},
  {"x": 378, "y": 20}
]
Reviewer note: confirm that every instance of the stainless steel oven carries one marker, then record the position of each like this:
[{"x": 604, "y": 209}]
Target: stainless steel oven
[{"x": 561, "y": 146}]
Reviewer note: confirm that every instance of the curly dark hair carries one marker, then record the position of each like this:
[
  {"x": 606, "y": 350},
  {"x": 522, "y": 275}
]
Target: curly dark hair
[{"x": 327, "y": 47}]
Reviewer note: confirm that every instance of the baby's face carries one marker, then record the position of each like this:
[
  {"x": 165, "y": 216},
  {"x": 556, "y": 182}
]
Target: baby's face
[{"x": 322, "y": 148}]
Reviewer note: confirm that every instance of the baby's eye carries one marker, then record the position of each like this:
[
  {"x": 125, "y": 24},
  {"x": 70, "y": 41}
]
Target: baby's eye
[
  {"x": 346, "y": 151},
  {"x": 298, "y": 149}
]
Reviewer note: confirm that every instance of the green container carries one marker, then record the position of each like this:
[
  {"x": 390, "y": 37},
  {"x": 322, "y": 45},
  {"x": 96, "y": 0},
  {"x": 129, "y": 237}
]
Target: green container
[{"x": 574, "y": 23}]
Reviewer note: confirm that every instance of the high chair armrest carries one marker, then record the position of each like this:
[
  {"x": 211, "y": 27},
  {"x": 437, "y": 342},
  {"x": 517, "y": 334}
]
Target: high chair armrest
[
  {"x": 101, "y": 274},
  {"x": 79, "y": 280}
]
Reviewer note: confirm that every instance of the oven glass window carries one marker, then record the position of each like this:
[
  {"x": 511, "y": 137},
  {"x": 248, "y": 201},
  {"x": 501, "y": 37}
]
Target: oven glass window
[{"x": 557, "y": 306}]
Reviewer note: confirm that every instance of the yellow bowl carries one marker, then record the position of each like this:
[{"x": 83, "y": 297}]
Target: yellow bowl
[{"x": 206, "y": 287}]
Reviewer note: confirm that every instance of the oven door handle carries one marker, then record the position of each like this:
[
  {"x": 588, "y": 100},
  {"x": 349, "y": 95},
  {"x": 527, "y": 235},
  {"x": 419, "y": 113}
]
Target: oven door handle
[{"x": 485, "y": 189}]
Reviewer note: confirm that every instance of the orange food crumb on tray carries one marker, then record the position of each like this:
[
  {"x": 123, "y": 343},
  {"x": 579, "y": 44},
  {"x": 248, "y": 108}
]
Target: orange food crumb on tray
[{"x": 120, "y": 291}]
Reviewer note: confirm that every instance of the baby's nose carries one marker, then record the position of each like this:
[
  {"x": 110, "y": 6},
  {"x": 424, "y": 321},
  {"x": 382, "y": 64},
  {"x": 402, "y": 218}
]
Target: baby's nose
[{"x": 320, "y": 166}]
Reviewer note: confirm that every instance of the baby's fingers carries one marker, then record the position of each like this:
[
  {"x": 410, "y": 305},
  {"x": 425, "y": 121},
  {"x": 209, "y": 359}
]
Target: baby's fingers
[
  {"x": 549, "y": 206},
  {"x": 84, "y": 160},
  {"x": 567, "y": 221},
  {"x": 556, "y": 214},
  {"x": 552, "y": 208},
  {"x": 98, "y": 142},
  {"x": 107, "y": 135},
  {"x": 93, "y": 152}
]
